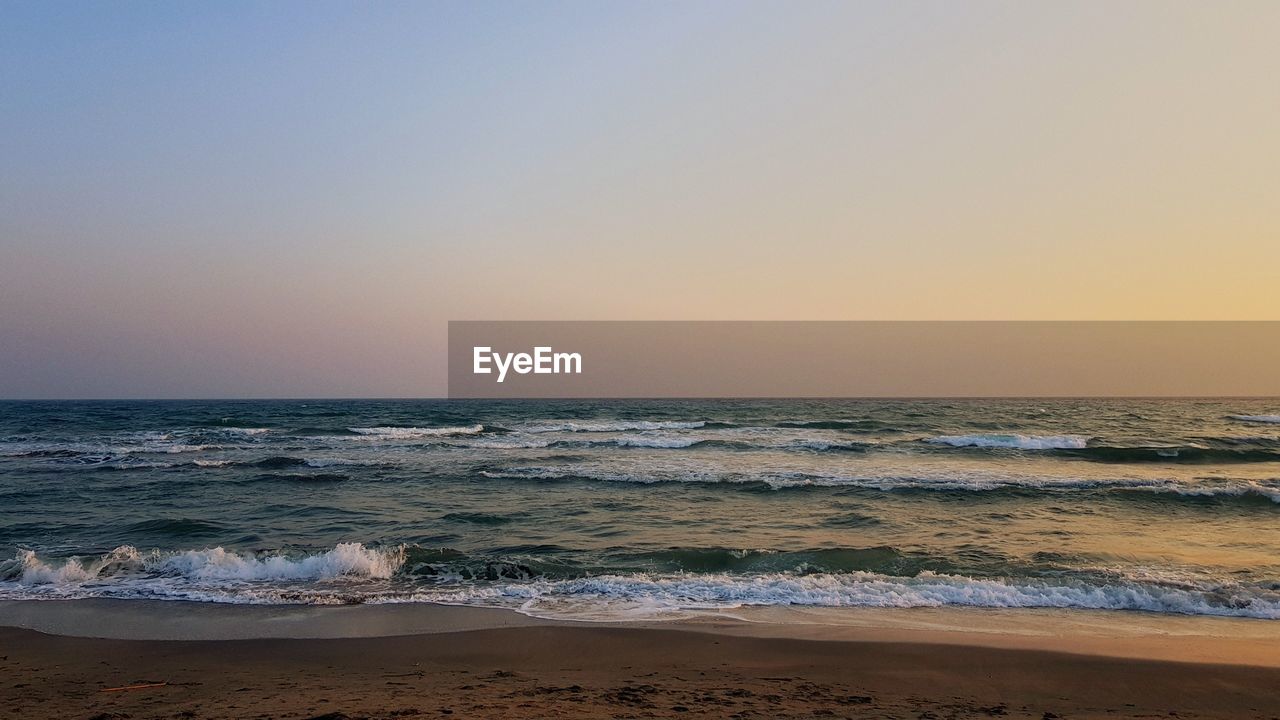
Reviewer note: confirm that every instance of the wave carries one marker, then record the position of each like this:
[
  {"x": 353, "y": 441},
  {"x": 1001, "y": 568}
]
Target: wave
[
  {"x": 1013, "y": 441},
  {"x": 681, "y": 443},
  {"x": 27, "y": 569},
  {"x": 478, "y": 518},
  {"x": 1243, "y": 489},
  {"x": 825, "y": 446},
  {"x": 319, "y": 431},
  {"x": 277, "y": 462},
  {"x": 221, "y": 575},
  {"x": 1204, "y": 450},
  {"x": 865, "y": 425},
  {"x": 1204, "y": 488},
  {"x": 349, "y": 560},
  {"x": 1273, "y": 419},
  {"x": 87, "y": 452},
  {"x": 501, "y": 443},
  {"x": 1211, "y": 450},
  {"x": 325, "y": 462},
  {"x": 298, "y": 478},
  {"x": 515, "y": 442},
  {"x": 668, "y": 443},
  {"x": 352, "y": 572},
  {"x": 631, "y": 595},
  {"x": 346, "y": 560},
  {"x": 181, "y": 527},
  {"x": 409, "y": 433},
  {"x": 754, "y": 561},
  {"x": 614, "y": 426},
  {"x": 139, "y": 442},
  {"x": 131, "y": 464},
  {"x": 1175, "y": 454}
]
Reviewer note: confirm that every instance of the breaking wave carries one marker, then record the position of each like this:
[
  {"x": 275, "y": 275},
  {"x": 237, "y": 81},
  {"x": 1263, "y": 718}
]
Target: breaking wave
[
  {"x": 346, "y": 560},
  {"x": 354, "y": 573},
  {"x": 614, "y": 426},
  {"x": 409, "y": 433},
  {"x": 1273, "y": 419},
  {"x": 1206, "y": 488},
  {"x": 658, "y": 595},
  {"x": 1013, "y": 441}
]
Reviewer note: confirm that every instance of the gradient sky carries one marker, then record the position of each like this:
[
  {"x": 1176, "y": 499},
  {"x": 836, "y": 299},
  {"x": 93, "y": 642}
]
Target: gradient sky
[{"x": 292, "y": 199}]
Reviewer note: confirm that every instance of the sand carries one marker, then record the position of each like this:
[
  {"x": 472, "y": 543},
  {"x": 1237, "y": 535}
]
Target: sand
[{"x": 513, "y": 666}]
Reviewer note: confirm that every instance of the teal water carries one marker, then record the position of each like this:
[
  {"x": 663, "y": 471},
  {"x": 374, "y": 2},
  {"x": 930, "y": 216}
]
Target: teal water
[{"x": 648, "y": 508}]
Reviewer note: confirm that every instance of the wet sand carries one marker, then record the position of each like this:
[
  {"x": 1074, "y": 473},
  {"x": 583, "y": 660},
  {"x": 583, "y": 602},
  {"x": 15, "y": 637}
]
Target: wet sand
[{"x": 533, "y": 668}]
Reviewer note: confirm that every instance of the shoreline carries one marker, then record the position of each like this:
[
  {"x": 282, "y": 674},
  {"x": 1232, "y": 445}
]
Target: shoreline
[
  {"x": 204, "y": 660},
  {"x": 578, "y": 671},
  {"x": 1096, "y": 633}
]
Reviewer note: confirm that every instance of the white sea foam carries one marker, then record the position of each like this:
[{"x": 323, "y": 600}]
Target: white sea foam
[
  {"x": 953, "y": 481},
  {"x": 502, "y": 442},
  {"x": 331, "y": 462},
  {"x": 1257, "y": 418},
  {"x": 614, "y": 426},
  {"x": 351, "y": 572},
  {"x": 28, "y": 569},
  {"x": 544, "y": 474},
  {"x": 823, "y": 445},
  {"x": 345, "y": 560},
  {"x": 178, "y": 448},
  {"x": 409, "y": 433},
  {"x": 648, "y": 594},
  {"x": 655, "y": 441},
  {"x": 89, "y": 452},
  {"x": 1014, "y": 441},
  {"x": 740, "y": 439}
]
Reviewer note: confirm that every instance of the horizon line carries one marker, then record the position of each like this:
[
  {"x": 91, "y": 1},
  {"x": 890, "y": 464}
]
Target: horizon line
[{"x": 644, "y": 398}]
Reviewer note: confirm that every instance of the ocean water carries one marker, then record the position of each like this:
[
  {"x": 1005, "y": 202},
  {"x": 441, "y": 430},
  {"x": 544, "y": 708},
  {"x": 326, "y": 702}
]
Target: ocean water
[{"x": 648, "y": 509}]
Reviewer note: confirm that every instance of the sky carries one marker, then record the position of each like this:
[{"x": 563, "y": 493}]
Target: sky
[{"x": 292, "y": 199}]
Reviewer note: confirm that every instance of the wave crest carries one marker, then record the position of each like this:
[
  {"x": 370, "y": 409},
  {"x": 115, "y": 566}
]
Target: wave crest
[
  {"x": 409, "y": 433},
  {"x": 1272, "y": 419},
  {"x": 641, "y": 594},
  {"x": 615, "y": 426},
  {"x": 350, "y": 560},
  {"x": 345, "y": 560},
  {"x": 28, "y": 569},
  {"x": 1203, "y": 488},
  {"x": 1014, "y": 441},
  {"x": 355, "y": 573}
]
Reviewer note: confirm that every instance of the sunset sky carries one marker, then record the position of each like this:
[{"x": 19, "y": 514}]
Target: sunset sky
[{"x": 292, "y": 199}]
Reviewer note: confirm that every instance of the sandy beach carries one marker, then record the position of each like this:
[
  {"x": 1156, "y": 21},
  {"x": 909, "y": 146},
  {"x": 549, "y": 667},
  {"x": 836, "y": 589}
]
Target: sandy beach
[{"x": 507, "y": 665}]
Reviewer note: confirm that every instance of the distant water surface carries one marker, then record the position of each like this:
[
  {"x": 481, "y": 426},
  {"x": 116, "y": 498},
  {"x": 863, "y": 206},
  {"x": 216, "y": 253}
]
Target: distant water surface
[{"x": 625, "y": 509}]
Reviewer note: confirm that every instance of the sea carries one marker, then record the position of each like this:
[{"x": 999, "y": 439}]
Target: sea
[{"x": 648, "y": 509}]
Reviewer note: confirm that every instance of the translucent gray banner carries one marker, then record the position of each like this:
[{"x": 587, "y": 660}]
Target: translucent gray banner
[{"x": 706, "y": 359}]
